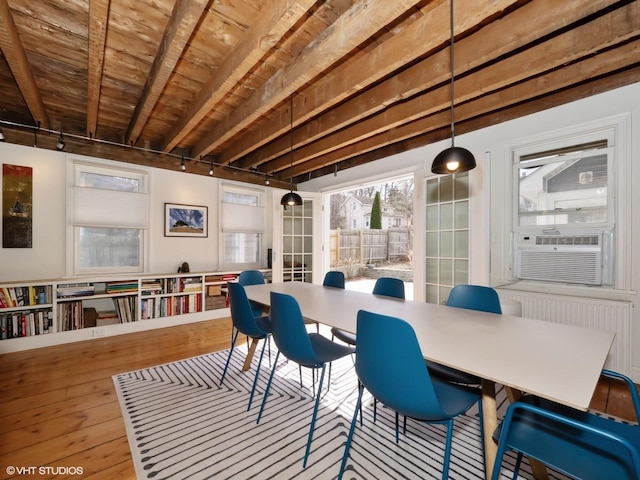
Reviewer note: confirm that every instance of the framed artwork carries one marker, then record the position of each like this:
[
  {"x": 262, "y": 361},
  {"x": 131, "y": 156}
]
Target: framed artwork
[
  {"x": 17, "y": 206},
  {"x": 185, "y": 220}
]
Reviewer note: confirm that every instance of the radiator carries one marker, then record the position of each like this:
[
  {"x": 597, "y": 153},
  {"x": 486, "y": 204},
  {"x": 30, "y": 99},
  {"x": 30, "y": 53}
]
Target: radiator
[{"x": 609, "y": 315}]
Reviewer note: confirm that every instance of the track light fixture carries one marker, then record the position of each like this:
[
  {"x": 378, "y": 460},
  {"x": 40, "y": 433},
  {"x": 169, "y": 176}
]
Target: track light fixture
[
  {"x": 183, "y": 159},
  {"x": 35, "y": 135},
  {"x": 453, "y": 159},
  {"x": 211, "y": 169},
  {"x": 291, "y": 199},
  {"x": 60, "y": 144}
]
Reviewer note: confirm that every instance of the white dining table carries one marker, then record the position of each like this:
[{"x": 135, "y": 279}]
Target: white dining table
[{"x": 552, "y": 360}]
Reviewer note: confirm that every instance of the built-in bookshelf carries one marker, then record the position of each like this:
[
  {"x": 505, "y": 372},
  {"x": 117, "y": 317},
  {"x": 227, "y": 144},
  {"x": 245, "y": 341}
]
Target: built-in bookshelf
[
  {"x": 26, "y": 310},
  {"x": 98, "y": 303},
  {"x": 168, "y": 296},
  {"x": 71, "y": 306}
]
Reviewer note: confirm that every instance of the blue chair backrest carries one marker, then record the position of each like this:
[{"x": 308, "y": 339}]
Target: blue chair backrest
[
  {"x": 475, "y": 297},
  {"x": 389, "y": 287},
  {"x": 334, "y": 278},
  {"x": 242, "y": 314},
  {"x": 251, "y": 277},
  {"x": 289, "y": 332},
  {"x": 579, "y": 444},
  {"x": 390, "y": 365}
]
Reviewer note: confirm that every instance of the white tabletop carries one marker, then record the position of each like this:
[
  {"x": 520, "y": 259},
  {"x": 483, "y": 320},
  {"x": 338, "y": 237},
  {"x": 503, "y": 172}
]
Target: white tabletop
[{"x": 555, "y": 361}]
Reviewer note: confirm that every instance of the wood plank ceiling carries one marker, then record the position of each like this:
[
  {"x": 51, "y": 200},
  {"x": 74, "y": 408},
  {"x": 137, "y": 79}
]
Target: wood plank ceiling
[{"x": 220, "y": 82}]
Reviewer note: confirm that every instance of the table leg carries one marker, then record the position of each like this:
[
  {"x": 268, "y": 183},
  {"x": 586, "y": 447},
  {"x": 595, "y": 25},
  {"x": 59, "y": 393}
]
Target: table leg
[
  {"x": 490, "y": 418},
  {"x": 252, "y": 349}
]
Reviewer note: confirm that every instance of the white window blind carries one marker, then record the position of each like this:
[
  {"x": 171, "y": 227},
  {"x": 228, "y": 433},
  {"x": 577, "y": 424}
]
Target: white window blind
[
  {"x": 109, "y": 208},
  {"x": 242, "y": 218}
]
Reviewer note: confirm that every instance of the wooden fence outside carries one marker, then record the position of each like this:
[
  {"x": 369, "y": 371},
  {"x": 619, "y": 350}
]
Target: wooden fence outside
[{"x": 349, "y": 247}]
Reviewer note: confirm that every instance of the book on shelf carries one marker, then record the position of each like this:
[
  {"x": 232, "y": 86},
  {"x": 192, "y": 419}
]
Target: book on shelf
[
  {"x": 151, "y": 287},
  {"x": 130, "y": 286},
  {"x": 75, "y": 290},
  {"x": 3, "y": 300},
  {"x": 125, "y": 309},
  {"x": 14, "y": 298}
]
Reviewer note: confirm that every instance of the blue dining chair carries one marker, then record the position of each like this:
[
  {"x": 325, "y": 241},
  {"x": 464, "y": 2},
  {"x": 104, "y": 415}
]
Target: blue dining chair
[
  {"x": 385, "y": 286},
  {"x": 389, "y": 287},
  {"x": 310, "y": 350},
  {"x": 244, "y": 320},
  {"x": 579, "y": 444},
  {"x": 390, "y": 365},
  {"x": 472, "y": 297},
  {"x": 334, "y": 278},
  {"x": 252, "y": 277}
]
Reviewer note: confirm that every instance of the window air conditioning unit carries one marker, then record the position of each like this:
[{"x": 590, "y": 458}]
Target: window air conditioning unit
[{"x": 583, "y": 259}]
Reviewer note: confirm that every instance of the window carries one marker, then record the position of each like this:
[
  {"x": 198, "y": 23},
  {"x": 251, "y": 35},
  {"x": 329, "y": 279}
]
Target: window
[
  {"x": 242, "y": 226},
  {"x": 564, "y": 188},
  {"x": 569, "y": 188},
  {"x": 447, "y": 235},
  {"x": 109, "y": 218}
]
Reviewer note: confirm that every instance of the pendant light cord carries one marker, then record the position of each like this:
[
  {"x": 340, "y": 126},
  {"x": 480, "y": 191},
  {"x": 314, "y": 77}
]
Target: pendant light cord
[
  {"x": 291, "y": 143},
  {"x": 452, "y": 74}
]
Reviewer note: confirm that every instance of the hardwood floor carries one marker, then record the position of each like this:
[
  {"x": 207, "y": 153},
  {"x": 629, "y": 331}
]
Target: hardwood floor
[{"x": 59, "y": 407}]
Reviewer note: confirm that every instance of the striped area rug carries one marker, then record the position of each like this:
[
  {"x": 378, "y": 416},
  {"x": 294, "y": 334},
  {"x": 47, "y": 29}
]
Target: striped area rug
[{"x": 182, "y": 425}]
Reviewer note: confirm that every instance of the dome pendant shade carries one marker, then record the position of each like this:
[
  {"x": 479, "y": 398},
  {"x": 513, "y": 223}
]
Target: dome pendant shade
[
  {"x": 453, "y": 160},
  {"x": 291, "y": 199}
]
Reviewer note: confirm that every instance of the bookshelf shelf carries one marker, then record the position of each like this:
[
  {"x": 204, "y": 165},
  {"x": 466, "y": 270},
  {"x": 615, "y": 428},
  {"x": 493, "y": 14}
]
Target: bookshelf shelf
[
  {"x": 65, "y": 308},
  {"x": 25, "y": 310}
]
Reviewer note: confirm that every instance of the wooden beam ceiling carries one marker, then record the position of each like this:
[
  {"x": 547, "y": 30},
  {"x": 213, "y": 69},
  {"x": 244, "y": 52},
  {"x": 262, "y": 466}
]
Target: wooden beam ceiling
[{"x": 218, "y": 81}]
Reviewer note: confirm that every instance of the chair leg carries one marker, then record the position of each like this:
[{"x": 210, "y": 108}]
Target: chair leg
[
  {"x": 266, "y": 390},
  {"x": 255, "y": 378},
  {"x": 481, "y": 421},
  {"x": 516, "y": 467},
  {"x": 397, "y": 429},
  {"x": 313, "y": 417},
  {"x": 234, "y": 336},
  {"x": 447, "y": 450},
  {"x": 358, "y": 408}
]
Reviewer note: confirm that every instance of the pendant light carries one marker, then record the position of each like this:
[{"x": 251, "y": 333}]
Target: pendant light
[
  {"x": 453, "y": 159},
  {"x": 291, "y": 199}
]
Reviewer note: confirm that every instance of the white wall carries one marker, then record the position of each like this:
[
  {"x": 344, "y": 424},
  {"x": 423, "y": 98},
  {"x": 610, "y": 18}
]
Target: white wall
[
  {"x": 490, "y": 197},
  {"x": 47, "y": 257},
  {"x": 46, "y": 260},
  {"x": 167, "y": 253}
]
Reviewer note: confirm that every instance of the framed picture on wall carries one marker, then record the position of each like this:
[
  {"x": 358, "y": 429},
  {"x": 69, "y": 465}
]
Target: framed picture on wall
[{"x": 185, "y": 220}]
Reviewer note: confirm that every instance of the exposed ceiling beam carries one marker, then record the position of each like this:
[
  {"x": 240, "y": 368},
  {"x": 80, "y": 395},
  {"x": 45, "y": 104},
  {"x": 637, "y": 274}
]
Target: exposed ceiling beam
[
  {"x": 593, "y": 86},
  {"x": 275, "y": 20},
  {"x": 361, "y": 21},
  {"x": 424, "y": 35},
  {"x": 98, "y": 18},
  {"x": 184, "y": 19},
  {"x": 555, "y": 53},
  {"x": 540, "y": 87},
  {"x": 483, "y": 47},
  {"x": 14, "y": 52}
]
